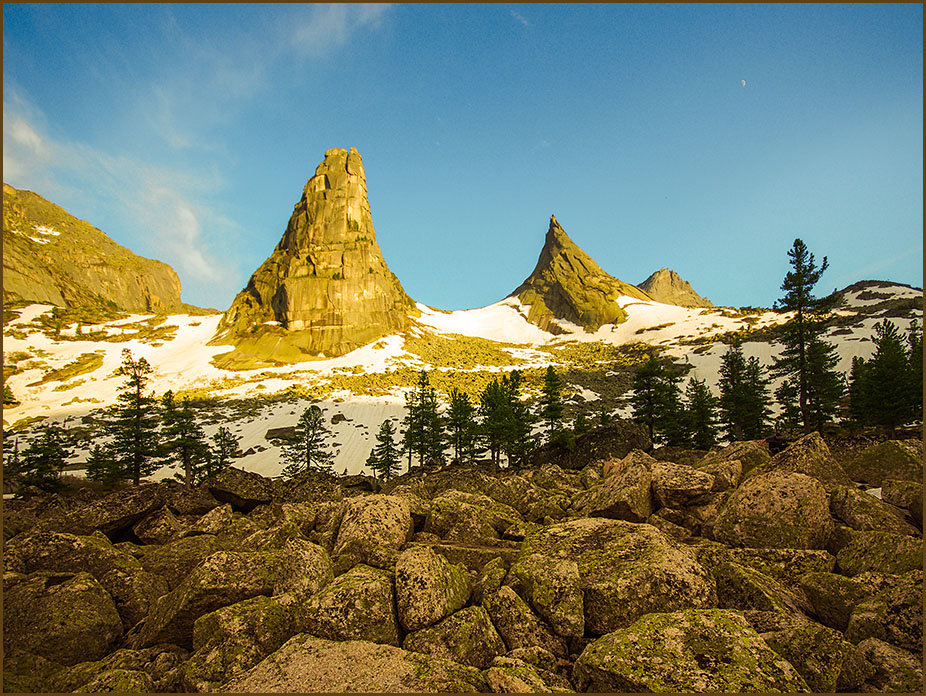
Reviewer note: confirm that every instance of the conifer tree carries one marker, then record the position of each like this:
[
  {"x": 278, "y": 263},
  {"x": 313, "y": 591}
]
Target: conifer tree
[
  {"x": 424, "y": 428},
  {"x": 806, "y": 358},
  {"x": 12, "y": 463},
  {"x": 101, "y": 467},
  {"x": 672, "y": 423},
  {"x": 44, "y": 458},
  {"x": 581, "y": 425},
  {"x": 915, "y": 372},
  {"x": 182, "y": 439},
  {"x": 518, "y": 442},
  {"x": 462, "y": 426},
  {"x": 224, "y": 446},
  {"x": 743, "y": 403},
  {"x": 494, "y": 419},
  {"x": 888, "y": 379},
  {"x": 384, "y": 458},
  {"x": 133, "y": 421},
  {"x": 551, "y": 402},
  {"x": 701, "y": 409},
  {"x": 648, "y": 394},
  {"x": 786, "y": 395},
  {"x": 825, "y": 385},
  {"x": 859, "y": 391},
  {"x": 309, "y": 449},
  {"x": 8, "y": 398}
]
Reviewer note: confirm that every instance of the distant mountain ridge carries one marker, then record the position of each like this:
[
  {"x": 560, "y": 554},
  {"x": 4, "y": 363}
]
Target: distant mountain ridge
[
  {"x": 668, "y": 287},
  {"x": 326, "y": 289},
  {"x": 50, "y": 256},
  {"x": 568, "y": 285}
]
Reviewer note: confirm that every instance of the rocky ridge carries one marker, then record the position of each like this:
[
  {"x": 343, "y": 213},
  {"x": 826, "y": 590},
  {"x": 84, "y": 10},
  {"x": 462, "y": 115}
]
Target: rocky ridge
[
  {"x": 326, "y": 289},
  {"x": 50, "y": 256},
  {"x": 456, "y": 579},
  {"x": 567, "y": 285},
  {"x": 669, "y": 287}
]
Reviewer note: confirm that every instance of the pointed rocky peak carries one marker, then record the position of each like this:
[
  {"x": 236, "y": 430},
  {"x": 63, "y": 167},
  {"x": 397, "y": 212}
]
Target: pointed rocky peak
[
  {"x": 668, "y": 287},
  {"x": 567, "y": 285},
  {"x": 326, "y": 289}
]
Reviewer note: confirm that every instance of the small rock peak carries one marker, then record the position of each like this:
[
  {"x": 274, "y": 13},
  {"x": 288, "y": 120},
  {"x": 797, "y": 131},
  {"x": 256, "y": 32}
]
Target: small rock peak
[{"x": 668, "y": 287}]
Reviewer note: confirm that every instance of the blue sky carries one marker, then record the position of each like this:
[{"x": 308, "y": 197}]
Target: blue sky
[{"x": 187, "y": 132}]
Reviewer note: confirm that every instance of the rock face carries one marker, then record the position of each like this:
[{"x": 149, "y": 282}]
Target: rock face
[
  {"x": 568, "y": 285},
  {"x": 326, "y": 288},
  {"x": 669, "y": 287},
  {"x": 50, "y": 256}
]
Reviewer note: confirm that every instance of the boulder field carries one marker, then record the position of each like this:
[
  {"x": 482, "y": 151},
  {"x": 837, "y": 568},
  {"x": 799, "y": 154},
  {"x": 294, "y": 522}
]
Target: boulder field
[{"x": 729, "y": 571}]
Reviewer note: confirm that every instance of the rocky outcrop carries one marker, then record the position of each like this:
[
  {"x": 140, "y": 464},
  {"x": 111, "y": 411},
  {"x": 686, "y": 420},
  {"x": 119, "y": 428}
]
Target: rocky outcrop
[
  {"x": 669, "y": 287},
  {"x": 50, "y": 256},
  {"x": 567, "y": 285},
  {"x": 325, "y": 289}
]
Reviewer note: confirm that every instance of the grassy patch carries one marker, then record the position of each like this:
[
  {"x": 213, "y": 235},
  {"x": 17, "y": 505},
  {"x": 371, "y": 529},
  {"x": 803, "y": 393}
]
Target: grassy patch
[
  {"x": 87, "y": 362},
  {"x": 69, "y": 385},
  {"x": 461, "y": 352}
]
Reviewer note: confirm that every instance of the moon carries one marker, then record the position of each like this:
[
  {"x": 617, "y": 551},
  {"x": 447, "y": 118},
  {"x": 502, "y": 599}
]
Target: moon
[{"x": 744, "y": 82}]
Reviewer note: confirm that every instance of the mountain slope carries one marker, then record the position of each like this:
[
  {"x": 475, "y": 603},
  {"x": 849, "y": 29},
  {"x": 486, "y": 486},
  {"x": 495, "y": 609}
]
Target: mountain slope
[
  {"x": 669, "y": 287},
  {"x": 567, "y": 285},
  {"x": 51, "y": 256},
  {"x": 326, "y": 289}
]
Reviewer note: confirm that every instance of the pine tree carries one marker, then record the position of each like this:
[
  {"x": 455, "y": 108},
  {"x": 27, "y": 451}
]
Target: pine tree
[
  {"x": 581, "y": 425},
  {"x": 8, "y": 398},
  {"x": 182, "y": 439},
  {"x": 701, "y": 410},
  {"x": 518, "y": 441},
  {"x": 786, "y": 395},
  {"x": 825, "y": 385},
  {"x": 551, "y": 402},
  {"x": 133, "y": 421},
  {"x": 859, "y": 390},
  {"x": 224, "y": 446},
  {"x": 888, "y": 379},
  {"x": 384, "y": 458},
  {"x": 672, "y": 422},
  {"x": 915, "y": 372},
  {"x": 44, "y": 458},
  {"x": 494, "y": 419},
  {"x": 101, "y": 467},
  {"x": 743, "y": 403},
  {"x": 424, "y": 429},
  {"x": 648, "y": 394},
  {"x": 803, "y": 331},
  {"x": 309, "y": 449},
  {"x": 462, "y": 426},
  {"x": 12, "y": 464},
  {"x": 604, "y": 417}
]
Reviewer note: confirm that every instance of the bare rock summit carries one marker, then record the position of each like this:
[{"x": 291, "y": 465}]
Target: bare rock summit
[
  {"x": 326, "y": 289},
  {"x": 668, "y": 287},
  {"x": 567, "y": 285}
]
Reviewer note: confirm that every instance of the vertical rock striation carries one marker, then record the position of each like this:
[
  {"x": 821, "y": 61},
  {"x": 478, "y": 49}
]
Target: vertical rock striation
[{"x": 326, "y": 289}]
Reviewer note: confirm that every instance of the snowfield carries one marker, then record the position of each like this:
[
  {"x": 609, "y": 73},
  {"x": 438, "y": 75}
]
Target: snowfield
[{"x": 184, "y": 362}]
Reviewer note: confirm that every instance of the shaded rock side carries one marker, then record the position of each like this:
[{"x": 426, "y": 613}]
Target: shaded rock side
[
  {"x": 567, "y": 285},
  {"x": 325, "y": 289},
  {"x": 668, "y": 287},
  {"x": 52, "y": 257}
]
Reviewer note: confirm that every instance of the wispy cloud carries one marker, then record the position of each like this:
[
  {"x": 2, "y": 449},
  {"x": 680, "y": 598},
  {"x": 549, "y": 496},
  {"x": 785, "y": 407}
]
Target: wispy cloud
[
  {"x": 319, "y": 28},
  {"x": 519, "y": 17},
  {"x": 163, "y": 211}
]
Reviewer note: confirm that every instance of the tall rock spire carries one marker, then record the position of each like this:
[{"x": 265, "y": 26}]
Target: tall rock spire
[
  {"x": 568, "y": 285},
  {"x": 326, "y": 289}
]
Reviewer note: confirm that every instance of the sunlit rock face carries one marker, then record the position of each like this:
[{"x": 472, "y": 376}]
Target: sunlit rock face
[
  {"x": 325, "y": 289},
  {"x": 567, "y": 285},
  {"x": 668, "y": 287}
]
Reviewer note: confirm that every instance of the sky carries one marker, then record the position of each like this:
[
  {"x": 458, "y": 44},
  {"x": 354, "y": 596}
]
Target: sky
[{"x": 702, "y": 138}]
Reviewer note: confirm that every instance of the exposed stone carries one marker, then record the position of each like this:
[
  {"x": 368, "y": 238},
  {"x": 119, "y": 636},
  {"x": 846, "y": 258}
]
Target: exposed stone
[
  {"x": 159, "y": 527},
  {"x": 809, "y": 456},
  {"x": 65, "y": 617},
  {"x": 552, "y": 587},
  {"x": 833, "y": 596},
  {"x": 428, "y": 588},
  {"x": 624, "y": 492},
  {"x": 518, "y": 626},
  {"x": 865, "y": 513},
  {"x": 160, "y": 663},
  {"x": 894, "y": 670},
  {"x": 727, "y": 473},
  {"x": 111, "y": 515},
  {"x": 78, "y": 265},
  {"x": 881, "y": 552},
  {"x": 527, "y": 499},
  {"x": 359, "y": 605},
  {"x": 894, "y": 615},
  {"x": 669, "y": 287},
  {"x": 211, "y": 522},
  {"x": 25, "y": 672},
  {"x": 120, "y": 681},
  {"x": 739, "y": 587},
  {"x": 625, "y": 570},
  {"x": 778, "y": 509},
  {"x": 567, "y": 285},
  {"x": 374, "y": 521},
  {"x": 326, "y": 285},
  {"x": 676, "y": 485},
  {"x": 749, "y": 453},
  {"x": 467, "y": 637},
  {"x": 785, "y": 565},
  {"x": 826, "y": 661},
  {"x": 231, "y": 640},
  {"x": 175, "y": 560},
  {"x": 900, "y": 460},
  {"x": 613, "y": 441},
  {"x": 907, "y": 495},
  {"x": 306, "y": 664},
  {"x": 459, "y": 516},
  {"x": 517, "y": 678},
  {"x": 489, "y": 579},
  {"x": 245, "y": 490},
  {"x": 685, "y": 651}
]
